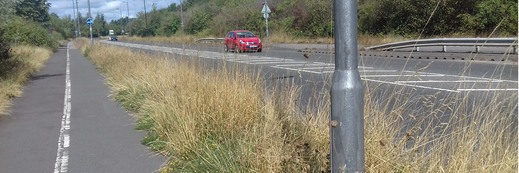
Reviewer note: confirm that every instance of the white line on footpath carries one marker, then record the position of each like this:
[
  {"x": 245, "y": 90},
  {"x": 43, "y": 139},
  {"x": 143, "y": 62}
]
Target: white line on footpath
[{"x": 61, "y": 165}]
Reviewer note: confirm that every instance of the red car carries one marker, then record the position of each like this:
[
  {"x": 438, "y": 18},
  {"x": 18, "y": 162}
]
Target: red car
[{"x": 241, "y": 41}]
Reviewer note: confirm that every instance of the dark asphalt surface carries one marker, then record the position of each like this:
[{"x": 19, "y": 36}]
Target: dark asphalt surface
[
  {"x": 102, "y": 135},
  {"x": 422, "y": 91}
]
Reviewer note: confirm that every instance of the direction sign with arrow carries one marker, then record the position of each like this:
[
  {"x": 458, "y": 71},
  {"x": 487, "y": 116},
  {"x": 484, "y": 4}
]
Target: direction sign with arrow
[{"x": 89, "y": 22}]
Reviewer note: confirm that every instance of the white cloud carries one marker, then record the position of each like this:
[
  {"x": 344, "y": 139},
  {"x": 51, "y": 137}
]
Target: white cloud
[{"x": 111, "y": 9}]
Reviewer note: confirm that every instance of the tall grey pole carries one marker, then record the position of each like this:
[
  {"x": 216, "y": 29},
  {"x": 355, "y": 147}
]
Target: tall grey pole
[
  {"x": 347, "y": 94},
  {"x": 90, "y": 26},
  {"x": 74, "y": 14},
  {"x": 145, "y": 19},
  {"x": 267, "y": 25},
  {"x": 128, "y": 18},
  {"x": 78, "y": 19},
  {"x": 181, "y": 17}
]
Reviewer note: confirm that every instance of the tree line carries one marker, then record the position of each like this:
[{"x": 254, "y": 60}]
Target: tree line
[
  {"x": 314, "y": 18},
  {"x": 29, "y": 21},
  {"x": 26, "y": 22}
]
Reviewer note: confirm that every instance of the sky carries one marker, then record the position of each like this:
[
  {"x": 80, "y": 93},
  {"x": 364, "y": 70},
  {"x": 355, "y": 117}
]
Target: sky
[{"x": 112, "y": 9}]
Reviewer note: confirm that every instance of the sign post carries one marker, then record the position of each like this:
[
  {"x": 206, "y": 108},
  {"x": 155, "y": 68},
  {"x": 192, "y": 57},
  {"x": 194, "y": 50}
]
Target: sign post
[
  {"x": 266, "y": 10},
  {"x": 347, "y": 94},
  {"x": 90, "y": 23}
]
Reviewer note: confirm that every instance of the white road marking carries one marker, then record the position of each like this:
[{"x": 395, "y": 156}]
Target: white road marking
[
  {"x": 292, "y": 65},
  {"x": 449, "y": 81},
  {"x": 61, "y": 165},
  {"x": 276, "y": 62},
  {"x": 301, "y": 70},
  {"x": 377, "y": 71},
  {"x": 467, "y": 77},
  {"x": 402, "y": 75},
  {"x": 490, "y": 89},
  {"x": 416, "y": 86},
  {"x": 306, "y": 64}
]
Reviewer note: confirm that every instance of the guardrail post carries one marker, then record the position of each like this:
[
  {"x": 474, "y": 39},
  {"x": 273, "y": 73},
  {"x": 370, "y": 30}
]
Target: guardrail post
[
  {"x": 478, "y": 49},
  {"x": 444, "y": 48}
]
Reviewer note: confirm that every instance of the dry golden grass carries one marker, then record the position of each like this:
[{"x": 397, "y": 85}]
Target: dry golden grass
[
  {"x": 24, "y": 61},
  {"x": 223, "y": 120},
  {"x": 180, "y": 39},
  {"x": 277, "y": 38}
]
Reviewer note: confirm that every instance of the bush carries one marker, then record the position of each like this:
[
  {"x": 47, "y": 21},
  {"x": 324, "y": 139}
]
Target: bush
[
  {"x": 23, "y": 32},
  {"x": 4, "y": 46}
]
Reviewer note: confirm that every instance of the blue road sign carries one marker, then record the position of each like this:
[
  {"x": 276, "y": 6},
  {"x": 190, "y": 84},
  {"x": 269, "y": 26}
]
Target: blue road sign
[{"x": 89, "y": 22}]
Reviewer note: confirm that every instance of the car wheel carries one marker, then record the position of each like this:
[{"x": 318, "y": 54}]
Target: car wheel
[
  {"x": 226, "y": 49},
  {"x": 259, "y": 50}
]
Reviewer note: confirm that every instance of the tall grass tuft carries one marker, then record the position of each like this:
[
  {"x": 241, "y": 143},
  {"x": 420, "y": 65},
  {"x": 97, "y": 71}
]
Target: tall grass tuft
[
  {"x": 224, "y": 120},
  {"x": 14, "y": 71},
  {"x": 179, "y": 39},
  {"x": 213, "y": 120}
]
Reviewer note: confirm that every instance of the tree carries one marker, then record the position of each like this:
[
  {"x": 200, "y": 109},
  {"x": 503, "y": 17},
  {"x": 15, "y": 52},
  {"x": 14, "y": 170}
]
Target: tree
[
  {"x": 99, "y": 26},
  {"x": 6, "y": 10},
  {"x": 36, "y": 10}
]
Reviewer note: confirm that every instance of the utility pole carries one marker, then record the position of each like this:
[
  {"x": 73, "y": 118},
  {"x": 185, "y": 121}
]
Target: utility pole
[
  {"x": 128, "y": 18},
  {"x": 347, "y": 94},
  {"x": 181, "y": 17},
  {"x": 74, "y": 13},
  {"x": 145, "y": 19},
  {"x": 78, "y": 19},
  {"x": 122, "y": 20}
]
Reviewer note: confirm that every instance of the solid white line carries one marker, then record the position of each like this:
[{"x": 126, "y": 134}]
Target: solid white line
[
  {"x": 61, "y": 165},
  {"x": 447, "y": 81},
  {"x": 377, "y": 71},
  {"x": 306, "y": 64},
  {"x": 300, "y": 70},
  {"x": 404, "y": 75},
  {"x": 416, "y": 86},
  {"x": 504, "y": 89},
  {"x": 466, "y": 77},
  {"x": 277, "y": 62}
]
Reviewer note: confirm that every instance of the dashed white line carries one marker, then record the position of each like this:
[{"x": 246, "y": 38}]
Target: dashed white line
[{"x": 61, "y": 165}]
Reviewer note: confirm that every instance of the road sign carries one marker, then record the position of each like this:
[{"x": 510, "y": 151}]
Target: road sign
[
  {"x": 89, "y": 22},
  {"x": 265, "y": 11}
]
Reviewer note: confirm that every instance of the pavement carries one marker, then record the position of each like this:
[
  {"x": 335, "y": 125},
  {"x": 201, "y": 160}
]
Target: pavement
[{"x": 66, "y": 122}]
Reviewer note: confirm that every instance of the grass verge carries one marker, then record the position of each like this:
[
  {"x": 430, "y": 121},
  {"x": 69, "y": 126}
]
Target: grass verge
[
  {"x": 14, "y": 72},
  {"x": 223, "y": 120}
]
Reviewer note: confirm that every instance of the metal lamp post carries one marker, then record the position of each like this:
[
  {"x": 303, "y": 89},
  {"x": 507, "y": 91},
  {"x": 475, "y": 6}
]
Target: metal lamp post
[{"x": 347, "y": 94}]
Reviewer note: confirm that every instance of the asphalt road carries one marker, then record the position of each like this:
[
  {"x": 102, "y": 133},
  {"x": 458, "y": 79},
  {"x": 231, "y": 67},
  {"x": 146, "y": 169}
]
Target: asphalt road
[
  {"x": 66, "y": 122},
  {"x": 425, "y": 85},
  {"x": 427, "y": 75}
]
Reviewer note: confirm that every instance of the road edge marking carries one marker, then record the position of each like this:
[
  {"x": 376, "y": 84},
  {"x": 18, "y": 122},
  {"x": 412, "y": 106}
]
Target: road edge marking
[{"x": 61, "y": 165}]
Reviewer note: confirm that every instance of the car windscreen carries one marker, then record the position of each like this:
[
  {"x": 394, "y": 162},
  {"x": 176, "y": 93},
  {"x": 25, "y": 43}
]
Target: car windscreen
[{"x": 245, "y": 34}]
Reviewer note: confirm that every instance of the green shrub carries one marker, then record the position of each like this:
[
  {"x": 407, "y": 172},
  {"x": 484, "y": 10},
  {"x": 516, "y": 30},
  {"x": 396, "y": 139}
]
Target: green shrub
[{"x": 23, "y": 32}]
